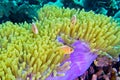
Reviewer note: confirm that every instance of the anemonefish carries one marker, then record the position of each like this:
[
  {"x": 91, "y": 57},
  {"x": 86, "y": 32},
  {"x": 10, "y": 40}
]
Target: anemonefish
[
  {"x": 34, "y": 28},
  {"x": 67, "y": 49},
  {"x": 73, "y": 20}
]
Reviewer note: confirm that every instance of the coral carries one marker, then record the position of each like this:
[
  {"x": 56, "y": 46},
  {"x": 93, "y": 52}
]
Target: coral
[
  {"x": 117, "y": 15},
  {"x": 25, "y": 10},
  {"x": 102, "y": 33},
  {"x": 80, "y": 2},
  {"x": 57, "y": 3},
  {"x": 17, "y": 11},
  {"x": 102, "y": 11},
  {"x": 113, "y": 4},
  {"x": 23, "y": 53}
]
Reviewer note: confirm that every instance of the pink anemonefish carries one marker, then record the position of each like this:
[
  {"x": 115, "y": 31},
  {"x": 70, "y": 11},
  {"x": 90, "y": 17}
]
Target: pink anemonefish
[
  {"x": 73, "y": 19},
  {"x": 67, "y": 49},
  {"x": 34, "y": 28}
]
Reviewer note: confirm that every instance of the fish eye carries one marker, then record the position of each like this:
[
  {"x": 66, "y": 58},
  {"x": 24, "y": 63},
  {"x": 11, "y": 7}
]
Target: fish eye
[{"x": 71, "y": 49}]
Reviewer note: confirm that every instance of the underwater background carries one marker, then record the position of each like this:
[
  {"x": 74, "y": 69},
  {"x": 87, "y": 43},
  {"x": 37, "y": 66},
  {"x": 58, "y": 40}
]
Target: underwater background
[
  {"x": 25, "y": 10},
  {"x": 56, "y": 39}
]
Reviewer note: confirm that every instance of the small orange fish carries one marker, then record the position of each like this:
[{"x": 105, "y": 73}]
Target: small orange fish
[
  {"x": 34, "y": 28},
  {"x": 73, "y": 20},
  {"x": 67, "y": 49}
]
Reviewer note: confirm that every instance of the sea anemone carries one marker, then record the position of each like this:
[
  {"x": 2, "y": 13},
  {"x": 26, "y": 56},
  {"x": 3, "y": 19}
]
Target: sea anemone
[
  {"x": 30, "y": 51},
  {"x": 23, "y": 53},
  {"x": 101, "y": 32}
]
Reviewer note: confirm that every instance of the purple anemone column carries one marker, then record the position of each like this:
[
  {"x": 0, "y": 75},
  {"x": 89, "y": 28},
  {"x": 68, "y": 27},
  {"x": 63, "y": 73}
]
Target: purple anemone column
[{"x": 81, "y": 59}]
